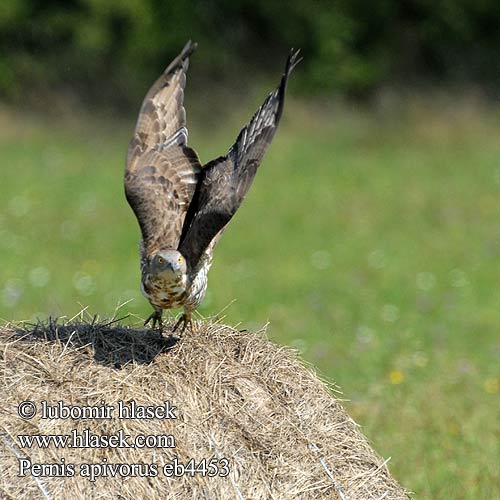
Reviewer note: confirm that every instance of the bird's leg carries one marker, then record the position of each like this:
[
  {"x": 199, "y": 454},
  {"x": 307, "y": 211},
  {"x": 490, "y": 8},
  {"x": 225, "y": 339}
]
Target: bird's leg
[
  {"x": 156, "y": 318},
  {"x": 186, "y": 321}
]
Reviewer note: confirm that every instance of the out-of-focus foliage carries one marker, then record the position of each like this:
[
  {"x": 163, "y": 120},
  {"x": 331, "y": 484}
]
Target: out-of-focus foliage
[{"x": 111, "y": 48}]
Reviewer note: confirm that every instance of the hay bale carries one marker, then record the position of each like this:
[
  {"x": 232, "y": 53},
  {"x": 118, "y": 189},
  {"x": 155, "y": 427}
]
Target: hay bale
[{"x": 236, "y": 396}]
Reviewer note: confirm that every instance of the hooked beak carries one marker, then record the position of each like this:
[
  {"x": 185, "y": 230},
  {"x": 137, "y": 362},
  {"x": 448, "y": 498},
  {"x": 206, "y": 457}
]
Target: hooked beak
[{"x": 167, "y": 269}]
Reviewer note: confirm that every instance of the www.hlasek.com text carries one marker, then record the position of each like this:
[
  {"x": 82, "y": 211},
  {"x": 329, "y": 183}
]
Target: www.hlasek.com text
[{"x": 88, "y": 439}]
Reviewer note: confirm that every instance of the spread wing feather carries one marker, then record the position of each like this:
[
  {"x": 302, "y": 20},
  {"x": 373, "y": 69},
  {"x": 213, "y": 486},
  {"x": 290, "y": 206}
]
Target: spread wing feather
[
  {"x": 162, "y": 117},
  {"x": 160, "y": 188},
  {"x": 225, "y": 181},
  {"x": 162, "y": 172}
]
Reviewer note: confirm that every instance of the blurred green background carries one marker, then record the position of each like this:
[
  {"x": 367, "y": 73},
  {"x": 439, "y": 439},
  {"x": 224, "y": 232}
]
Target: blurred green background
[{"x": 370, "y": 240}]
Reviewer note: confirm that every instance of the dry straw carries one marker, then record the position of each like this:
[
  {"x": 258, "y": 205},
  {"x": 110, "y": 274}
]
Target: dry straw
[{"x": 237, "y": 395}]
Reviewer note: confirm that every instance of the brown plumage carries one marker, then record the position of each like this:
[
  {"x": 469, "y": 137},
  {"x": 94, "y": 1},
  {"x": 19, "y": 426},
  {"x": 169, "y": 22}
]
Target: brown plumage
[{"x": 182, "y": 208}]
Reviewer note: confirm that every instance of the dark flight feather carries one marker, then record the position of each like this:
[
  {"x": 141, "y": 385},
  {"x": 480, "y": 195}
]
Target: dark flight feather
[
  {"x": 225, "y": 181},
  {"x": 162, "y": 172}
]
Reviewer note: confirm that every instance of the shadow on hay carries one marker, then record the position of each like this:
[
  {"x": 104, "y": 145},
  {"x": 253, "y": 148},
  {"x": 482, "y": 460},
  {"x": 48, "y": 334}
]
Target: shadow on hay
[
  {"x": 113, "y": 345},
  {"x": 252, "y": 401}
]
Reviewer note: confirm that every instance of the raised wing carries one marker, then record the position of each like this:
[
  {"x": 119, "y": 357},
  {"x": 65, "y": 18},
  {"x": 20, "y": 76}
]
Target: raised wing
[
  {"x": 225, "y": 181},
  {"x": 162, "y": 172},
  {"x": 162, "y": 117},
  {"x": 160, "y": 188}
]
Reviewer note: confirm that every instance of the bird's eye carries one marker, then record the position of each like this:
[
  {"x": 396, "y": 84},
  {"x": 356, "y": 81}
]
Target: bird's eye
[
  {"x": 179, "y": 260},
  {"x": 160, "y": 260}
]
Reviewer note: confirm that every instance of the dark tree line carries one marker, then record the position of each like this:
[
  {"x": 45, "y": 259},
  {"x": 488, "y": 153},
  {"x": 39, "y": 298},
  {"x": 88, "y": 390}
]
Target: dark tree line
[{"x": 111, "y": 49}]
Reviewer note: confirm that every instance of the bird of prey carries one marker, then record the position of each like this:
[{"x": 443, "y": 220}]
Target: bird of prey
[{"x": 181, "y": 205}]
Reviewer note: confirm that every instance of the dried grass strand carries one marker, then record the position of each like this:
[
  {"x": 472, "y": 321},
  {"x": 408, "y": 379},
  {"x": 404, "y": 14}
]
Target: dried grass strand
[{"x": 238, "y": 395}]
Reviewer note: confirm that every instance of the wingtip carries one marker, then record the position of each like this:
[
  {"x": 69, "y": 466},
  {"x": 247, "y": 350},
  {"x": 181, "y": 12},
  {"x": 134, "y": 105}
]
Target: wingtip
[
  {"x": 293, "y": 60},
  {"x": 182, "y": 60},
  {"x": 188, "y": 49}
]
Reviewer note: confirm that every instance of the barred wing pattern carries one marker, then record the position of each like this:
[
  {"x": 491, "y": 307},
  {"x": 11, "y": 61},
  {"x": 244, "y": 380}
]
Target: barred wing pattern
[
  {"x": 225, "y": 181},
  {"x": 160, "y": 188},
  {"x": 162, "y": 172}
]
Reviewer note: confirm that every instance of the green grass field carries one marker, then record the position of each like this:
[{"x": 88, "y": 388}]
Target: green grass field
[{"x": 370, "y": 241}]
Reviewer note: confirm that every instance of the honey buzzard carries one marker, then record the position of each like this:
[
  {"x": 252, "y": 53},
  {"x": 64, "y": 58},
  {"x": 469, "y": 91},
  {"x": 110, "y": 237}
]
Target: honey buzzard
[{"x": 182, "y": 206}]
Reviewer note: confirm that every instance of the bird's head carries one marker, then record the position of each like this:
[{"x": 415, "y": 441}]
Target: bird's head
[{"x": 168, "y": 264}]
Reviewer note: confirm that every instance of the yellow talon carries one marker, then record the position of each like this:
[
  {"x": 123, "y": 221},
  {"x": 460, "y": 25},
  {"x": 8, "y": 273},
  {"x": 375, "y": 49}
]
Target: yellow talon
[
  {"x": 156, "y": 319},
  {"x": 187, "y": 322}
]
